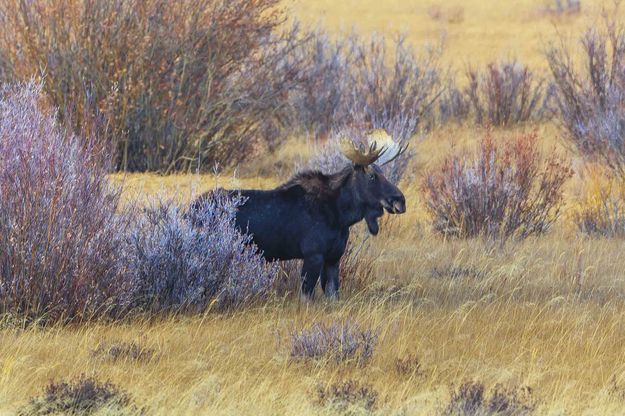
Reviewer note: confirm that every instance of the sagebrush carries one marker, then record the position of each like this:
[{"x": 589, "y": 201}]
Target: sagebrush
[
  {"x": 59, "y": 231},
  {"x": 505, "y": 93},
  {"x": 470, "y": 399},
  {"x": 361, "y": 82},
  {"x": 340, "y": 342},
  {"x": 70, "y": 252},
  {"x": 194, "y": 260},
  {"x": 347, "y": 396},
  {"x": 590, "y": 97},
  {"x": 83, "y": 396}
]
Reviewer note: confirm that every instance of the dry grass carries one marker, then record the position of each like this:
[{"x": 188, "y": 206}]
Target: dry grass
[
  {"x": 522, "y": 315},
  {"x": 547, "y": 312},
  {"x": 488, "y": 30}
]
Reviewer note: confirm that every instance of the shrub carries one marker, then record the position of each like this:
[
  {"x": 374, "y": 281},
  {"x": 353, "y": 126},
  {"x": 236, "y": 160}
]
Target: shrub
[
  {"x": 128, "y": 351},
  {"x": 395, "y": 96},
  {"x": 503, "y": 191},
  {"x": 5, "y": 65},
  {"x": 84, "y": 396},
  {"x": 601, "y": 212},
  {"x": 59, "y": 232},
  {"x": 454, "y": 14},
  {"x": 356, "y": 82},
  {"x": 320, "y": 100},
  {"x": 345, "y": 395},
  {"x": 505, "y": 93},
  {"x": 590, "y": 99},
  {"x": 454, "y": 104},
  {"x": 5, "y": 69},
  {"x": 345, "y": 342},
  {"x": 409, "y": 366},
  {"x": 470, "y": 400},
  {"x": 562, "y": 8},
  {"x": 181, "y": 83},
  {"x": 191, "y": 262}
]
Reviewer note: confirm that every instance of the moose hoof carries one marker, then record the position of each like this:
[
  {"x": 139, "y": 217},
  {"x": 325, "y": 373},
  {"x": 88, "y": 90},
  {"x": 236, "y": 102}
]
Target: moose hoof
[
  {"x": 332, "y": 292},
  {"x": 332, "y": 296}
]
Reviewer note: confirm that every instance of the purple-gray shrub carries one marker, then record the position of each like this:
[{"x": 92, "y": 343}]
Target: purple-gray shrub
[
  {"x": 347, "y": 396},
  {"x": 81, "y": 396},
  {"x": 345, "y": 342},
  {"x": 590, "y": 98},
  {"x": 355, "y": 81},
  {"x": 454, "y": 104},
  {"x": 507, "y": 189},
  {"x": 59, "y": 232},
  {"x": 191, "y": 261},
  {"x": 471, "y": 400},
  {"x": 506, "y": 93}
]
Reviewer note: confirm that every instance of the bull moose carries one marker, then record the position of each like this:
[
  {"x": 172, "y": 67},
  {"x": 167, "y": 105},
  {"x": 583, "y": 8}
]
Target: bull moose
[{"x": 309, "y": 216}]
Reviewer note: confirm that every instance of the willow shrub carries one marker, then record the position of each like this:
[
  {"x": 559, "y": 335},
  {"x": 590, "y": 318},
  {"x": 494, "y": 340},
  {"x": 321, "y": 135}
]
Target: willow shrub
[{"x": 504, "y": 190}]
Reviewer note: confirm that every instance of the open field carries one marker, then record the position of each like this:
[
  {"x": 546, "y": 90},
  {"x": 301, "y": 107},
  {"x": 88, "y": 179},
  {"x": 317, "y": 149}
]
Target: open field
[
  {"x": 474, "y": 32},
  {"x": 546, "y": 312}
]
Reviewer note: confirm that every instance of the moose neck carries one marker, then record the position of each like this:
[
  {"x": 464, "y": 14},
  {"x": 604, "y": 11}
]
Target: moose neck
[{"x": 349, "y": 205}]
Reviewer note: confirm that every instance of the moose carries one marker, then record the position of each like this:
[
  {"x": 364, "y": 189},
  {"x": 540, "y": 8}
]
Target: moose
[{"x": 309, "y": 216}]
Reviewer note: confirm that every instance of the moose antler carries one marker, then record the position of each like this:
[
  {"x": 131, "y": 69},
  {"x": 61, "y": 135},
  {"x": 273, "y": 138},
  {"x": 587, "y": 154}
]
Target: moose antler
[
  {"x": 392, "y": 150},
  {"x": 381, "y": 148},
  {"x": 360, "y": 154}
]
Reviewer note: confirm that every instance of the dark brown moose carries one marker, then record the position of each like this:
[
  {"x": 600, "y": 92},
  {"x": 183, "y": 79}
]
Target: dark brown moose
[{"x": 309, "y": 216}]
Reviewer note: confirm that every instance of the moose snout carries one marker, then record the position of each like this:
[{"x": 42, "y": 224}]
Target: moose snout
[
  {"x": 399, "y": 204},
  {"x": 395, "y": 204}
]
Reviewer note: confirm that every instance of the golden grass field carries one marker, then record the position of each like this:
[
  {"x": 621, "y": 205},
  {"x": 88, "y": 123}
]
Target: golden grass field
[
  {"x": 474, "y": 32},
  {"x": 547, "y": 312}
]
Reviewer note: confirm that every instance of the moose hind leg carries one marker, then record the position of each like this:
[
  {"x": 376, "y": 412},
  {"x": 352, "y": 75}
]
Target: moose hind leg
[
  {"x": 330, "y": 280},
  {"x": 311, "y": 270}
]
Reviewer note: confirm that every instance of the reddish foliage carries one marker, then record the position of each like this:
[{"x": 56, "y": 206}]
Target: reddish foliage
[
  {"x": 179, "y": 82},
  {"x": 503, "y": 191}
]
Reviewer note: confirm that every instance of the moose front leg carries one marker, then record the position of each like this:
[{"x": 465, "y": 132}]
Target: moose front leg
[
  {"x": 330, "y": 279},
  {"x": 311, "y": 270}
]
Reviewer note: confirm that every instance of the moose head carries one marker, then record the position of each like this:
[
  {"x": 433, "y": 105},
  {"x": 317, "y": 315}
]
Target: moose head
[{"x": 367, "y": 182}]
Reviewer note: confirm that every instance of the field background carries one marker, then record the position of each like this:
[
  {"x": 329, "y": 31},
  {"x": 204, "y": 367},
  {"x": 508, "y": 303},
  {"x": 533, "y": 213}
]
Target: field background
[
  {"x": 474, "y": 32},
  {"x": 547, "y": 312}
]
